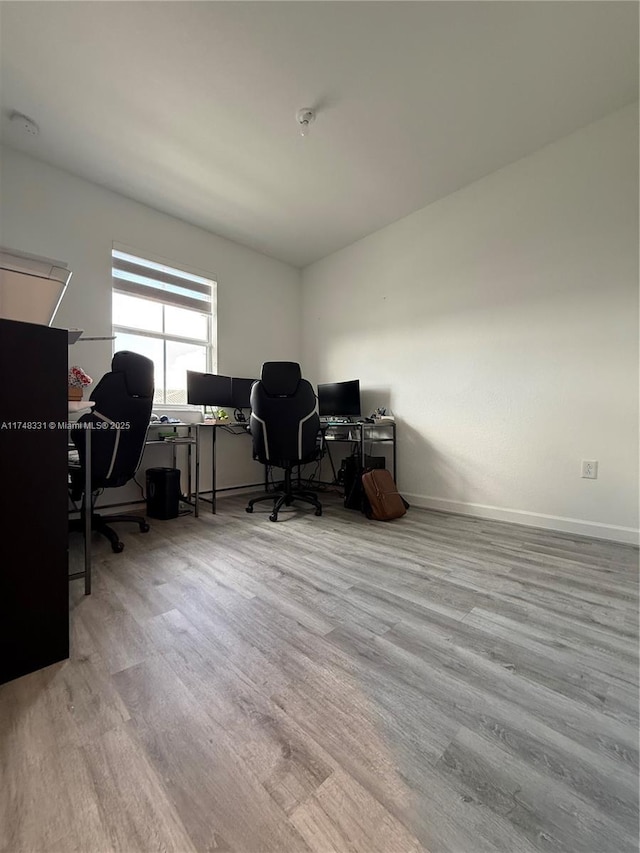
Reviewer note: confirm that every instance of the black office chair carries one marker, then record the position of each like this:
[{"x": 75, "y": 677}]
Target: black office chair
[
  {"x": 284, "y": 427},
  {"x": 120, "y": 420}
]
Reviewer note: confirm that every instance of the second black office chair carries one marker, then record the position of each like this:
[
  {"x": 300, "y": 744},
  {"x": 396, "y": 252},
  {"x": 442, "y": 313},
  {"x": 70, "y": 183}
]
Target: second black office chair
[
  {"x": 120, "y": 420},
  {"x": 284, "y": 428}
]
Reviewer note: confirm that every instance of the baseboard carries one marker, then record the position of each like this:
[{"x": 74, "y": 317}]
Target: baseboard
[
  {"x": 577, "y": 526},
  {"x": 232, "y": 491}
]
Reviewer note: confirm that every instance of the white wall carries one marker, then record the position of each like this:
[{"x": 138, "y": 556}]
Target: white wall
[
  {"x": 46, "y": 211},
  {"x": 500, "y": 324}
]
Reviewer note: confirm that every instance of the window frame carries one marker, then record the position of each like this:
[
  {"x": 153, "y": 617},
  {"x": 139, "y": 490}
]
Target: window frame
[{"x": 211, "y": 344}]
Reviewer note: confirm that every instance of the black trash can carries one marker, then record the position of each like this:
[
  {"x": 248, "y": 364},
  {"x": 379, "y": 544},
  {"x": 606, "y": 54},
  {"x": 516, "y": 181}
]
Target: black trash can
[{"x": 163, "y": 492}]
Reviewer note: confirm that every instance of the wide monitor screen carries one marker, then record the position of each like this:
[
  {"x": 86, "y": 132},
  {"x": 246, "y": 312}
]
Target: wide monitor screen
[
  {"x": 241, "y": 392},
  {"x": 341, "y": 399},
  {"x": 208, "y": 389}
]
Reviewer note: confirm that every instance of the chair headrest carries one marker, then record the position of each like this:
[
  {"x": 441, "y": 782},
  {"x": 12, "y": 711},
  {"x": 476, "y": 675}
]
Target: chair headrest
[
  {"x": 137, "y": 370},
  {"x": 280, "y": 378}
]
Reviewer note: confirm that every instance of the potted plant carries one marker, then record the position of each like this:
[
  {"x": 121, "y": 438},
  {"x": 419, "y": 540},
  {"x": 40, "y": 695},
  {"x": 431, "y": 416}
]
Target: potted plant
[{"x": 77, "y": 381}]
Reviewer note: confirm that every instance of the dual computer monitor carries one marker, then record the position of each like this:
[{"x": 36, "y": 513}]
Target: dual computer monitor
[
  {"x": 335, "y": 399},
  {"x": 210, "y": 389}
]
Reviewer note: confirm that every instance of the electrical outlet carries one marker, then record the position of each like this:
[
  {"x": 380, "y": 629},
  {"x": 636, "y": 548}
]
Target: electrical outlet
[{"x": 590, "y": 469}]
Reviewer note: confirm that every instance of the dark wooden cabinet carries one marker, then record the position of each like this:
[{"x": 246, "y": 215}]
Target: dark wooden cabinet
[{"x": 34, "y": 594}]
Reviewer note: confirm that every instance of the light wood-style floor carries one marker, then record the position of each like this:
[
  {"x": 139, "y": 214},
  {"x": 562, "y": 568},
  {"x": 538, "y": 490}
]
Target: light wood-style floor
[{"x": 334, "y": 684}]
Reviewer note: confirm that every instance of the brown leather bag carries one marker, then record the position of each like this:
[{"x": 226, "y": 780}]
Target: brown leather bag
[{"x": 385, "y": 502}]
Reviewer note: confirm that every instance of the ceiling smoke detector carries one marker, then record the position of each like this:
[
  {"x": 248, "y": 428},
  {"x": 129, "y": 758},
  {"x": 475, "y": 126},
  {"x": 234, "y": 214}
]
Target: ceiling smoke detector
[
  {"x": 305, "y": 117},
  {"x": 22, "y": 121}
]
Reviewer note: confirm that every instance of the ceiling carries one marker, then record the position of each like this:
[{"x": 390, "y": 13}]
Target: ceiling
[{"x": 190, "y": 107}]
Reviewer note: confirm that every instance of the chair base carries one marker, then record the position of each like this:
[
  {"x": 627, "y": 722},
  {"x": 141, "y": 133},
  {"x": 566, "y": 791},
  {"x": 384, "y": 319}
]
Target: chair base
[
  {"x": 99, "y": 524},
  {"x": 286, "y": 497}
]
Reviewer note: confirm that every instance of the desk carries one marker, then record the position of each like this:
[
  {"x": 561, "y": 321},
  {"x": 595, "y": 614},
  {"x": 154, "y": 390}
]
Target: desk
[
  {"x": 174, "y": 441},
  {"x": 353, "y": 433},
  {"x": 360, "y": 434},
  {"x": 234, "y": 429},
  {"x": 375, "y": 433},
  {"x": 193, "y": 439}
]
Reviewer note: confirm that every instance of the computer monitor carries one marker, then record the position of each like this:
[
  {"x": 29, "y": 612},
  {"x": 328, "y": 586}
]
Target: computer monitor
[
  {"x": 241, "y": 392},
  {"x": 339, "y": 399},
  {"x": 208, "y": 389}
]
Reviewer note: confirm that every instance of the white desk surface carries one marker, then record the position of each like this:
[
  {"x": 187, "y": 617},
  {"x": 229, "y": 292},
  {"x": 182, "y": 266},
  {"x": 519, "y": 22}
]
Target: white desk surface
[{"x": 80, "y": 405}]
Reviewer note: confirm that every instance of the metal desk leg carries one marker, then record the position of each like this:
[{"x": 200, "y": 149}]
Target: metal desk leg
[
  {"x": 214, "y": 429},
  {"x": 196, "y": 501},
  {"x": 362, "y": 454},
  {"x": 189, "y": 478},
  {"x": 325, "y": 447},
  {"x": 395, "y": 471},
  {"x": 88, "y": 510}
]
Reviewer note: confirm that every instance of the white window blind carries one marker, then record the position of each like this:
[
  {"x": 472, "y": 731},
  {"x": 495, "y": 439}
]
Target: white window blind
[
  {"x": 166, "y": 314},
  {"x": 170, "y": 286}
]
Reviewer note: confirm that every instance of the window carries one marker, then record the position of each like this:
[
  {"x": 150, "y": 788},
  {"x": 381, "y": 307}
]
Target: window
[{"x": 166, "y": 314}]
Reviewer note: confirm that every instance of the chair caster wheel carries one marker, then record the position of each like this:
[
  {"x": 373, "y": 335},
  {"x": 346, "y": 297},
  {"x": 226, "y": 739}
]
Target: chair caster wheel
[
  {"x": 318, "y": 512},
  {"x": 273, "y": 517},
  {"x": 248, "y": 509},
  {"x": 144, "y": 528},
  {"x": 117, "y": 547}
]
